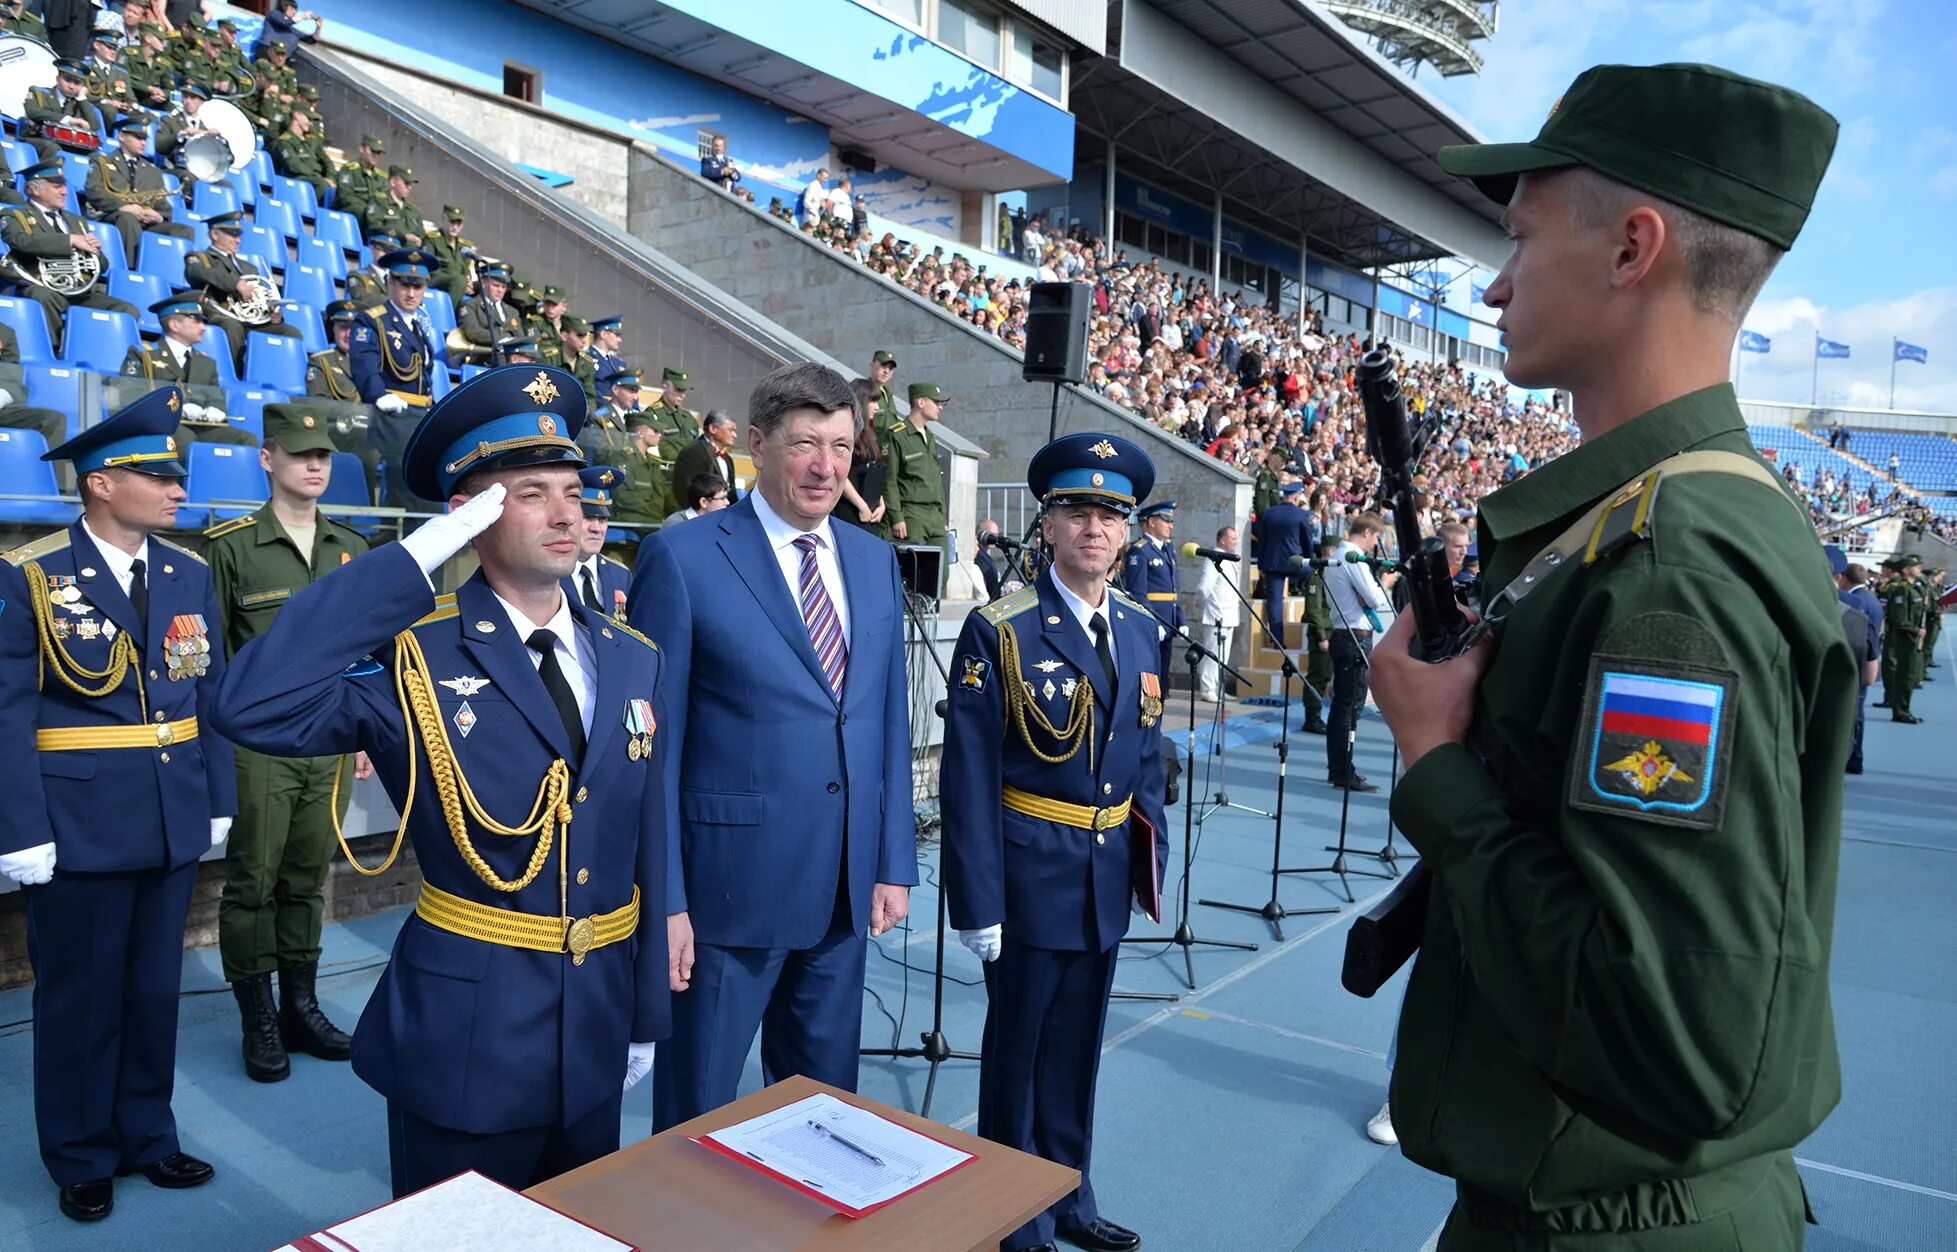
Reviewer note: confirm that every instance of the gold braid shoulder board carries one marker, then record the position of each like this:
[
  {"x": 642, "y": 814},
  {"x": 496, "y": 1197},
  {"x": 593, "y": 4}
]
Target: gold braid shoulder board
[{"x": 1023, "y": 712}]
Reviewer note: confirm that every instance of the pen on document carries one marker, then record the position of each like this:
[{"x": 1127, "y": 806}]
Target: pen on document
[{"x": 863, "y": 1152}]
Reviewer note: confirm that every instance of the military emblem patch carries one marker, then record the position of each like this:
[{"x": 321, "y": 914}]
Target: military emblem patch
[
  {"x": 973, "y": 673},
  {"x": 1659, "y": 741}
]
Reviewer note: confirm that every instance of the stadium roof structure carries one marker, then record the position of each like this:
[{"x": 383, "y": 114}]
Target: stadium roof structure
[{"x": 1174, "y": 127}]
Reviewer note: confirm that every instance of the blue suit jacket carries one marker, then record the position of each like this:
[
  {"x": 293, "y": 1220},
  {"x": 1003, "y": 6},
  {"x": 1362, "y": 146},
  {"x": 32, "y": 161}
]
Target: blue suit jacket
[
  {"x": 111, "y": 809},
  {"x": 769, "y": 780},
  {"x": 1051, "y": 885},
  {"x": 614, "y": 586},
  {"x": 1148, "y": 573},
  {"x": 1284, "y": 531},
  {"x": 468, "y": 1034}
]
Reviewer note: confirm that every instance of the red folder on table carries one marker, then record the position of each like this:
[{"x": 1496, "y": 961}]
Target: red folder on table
[{"x": 1144, "y": 868}]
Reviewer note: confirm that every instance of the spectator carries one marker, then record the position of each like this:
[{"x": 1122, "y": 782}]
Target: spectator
[
  {"x": 709, "y": 454},
  {"x": 281, "y": 27},
  {"x": 705, "y": 492},
  {"x": 718, "y": 167},
  {"x": 1220, "y": 610},
  {"x": 815, "y": 198},
  {"x": 862, "y": 502}
]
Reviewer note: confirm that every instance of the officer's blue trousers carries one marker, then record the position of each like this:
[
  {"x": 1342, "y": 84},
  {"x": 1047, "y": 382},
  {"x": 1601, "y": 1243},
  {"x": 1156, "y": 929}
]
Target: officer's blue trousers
[
  {"x": 1045, "y": 1013},
  {"x": 1861, "y": 711},
  {"x": 421, "y": 1154},
  {"x": 107, "y": 952}
]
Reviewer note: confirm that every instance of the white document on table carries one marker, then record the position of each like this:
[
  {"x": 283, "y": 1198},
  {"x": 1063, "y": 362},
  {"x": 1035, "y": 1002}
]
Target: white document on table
[
  {"x": 843, "y": 1153},
  {"x": 468, "y": 1213}
]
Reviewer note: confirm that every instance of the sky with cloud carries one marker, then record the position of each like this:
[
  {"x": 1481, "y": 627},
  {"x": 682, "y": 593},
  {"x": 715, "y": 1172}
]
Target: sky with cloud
[{"x": 1878, "y": 258}]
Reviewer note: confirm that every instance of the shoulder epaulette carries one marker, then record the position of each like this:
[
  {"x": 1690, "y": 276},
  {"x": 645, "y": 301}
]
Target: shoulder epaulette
[
  {"x": 610, "y": 560},
  {"x": 1128, "y": 600},
  {"x": 180, "y": 548},
  {"x": 44, "y": 546},
  {"x": 376, "y": 311},
  {"x": 617, "y": 625},
  {"x": 320, "y": 355},
  {"x": 1010, "y": 606},
  {"x": 445, "y": 608},
  {"x": 224, "y": 528}
]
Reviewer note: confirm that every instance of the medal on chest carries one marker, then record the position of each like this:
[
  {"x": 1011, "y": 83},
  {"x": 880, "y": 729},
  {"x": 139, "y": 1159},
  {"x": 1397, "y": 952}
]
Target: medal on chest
[
  {"x": 187, "y": 647},
  {"x": 1151, "y": 699},
  {"x": 639, "y": 724}
]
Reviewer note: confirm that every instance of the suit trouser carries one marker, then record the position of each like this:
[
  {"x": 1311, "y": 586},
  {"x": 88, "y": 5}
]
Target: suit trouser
[
  {"x": 1045, "y": 1014},
  {"x": 807, "y": 1004},
  {"x": 1350, "y": 658},
  {"x": 107, "y": 953},
  {"x": 1273, "y": 591},
  {"x": 276, "y": 861},
  {"x": 1209, "y": 678},
  {"x": 421, "y": 1154}
]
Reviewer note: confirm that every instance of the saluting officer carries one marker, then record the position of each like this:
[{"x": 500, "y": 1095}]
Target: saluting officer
[
  {"x": 288, "y": 807},
  {"x": 1053, "y": 786},
  {"x": 1148, "y": 572},
  {"x": 600, "y": 583},
  {"x": 113, "y": 625},
  {"x": 677, "y": 425},
  {"x": 525, "y": 993},
  {"x": 1618, "y": 1026},
  {"x": 393, "y": 354}
]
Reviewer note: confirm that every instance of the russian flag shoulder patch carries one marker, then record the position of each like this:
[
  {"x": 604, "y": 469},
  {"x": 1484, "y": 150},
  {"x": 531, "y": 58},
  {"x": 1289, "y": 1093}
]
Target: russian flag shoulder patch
[{"x": 1656, "y": 741}]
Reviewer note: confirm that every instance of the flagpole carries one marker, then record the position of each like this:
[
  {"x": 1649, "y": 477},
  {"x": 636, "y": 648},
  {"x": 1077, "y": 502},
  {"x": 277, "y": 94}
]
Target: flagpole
[
  {"x": 1892, "y": 373},
  {"x": 1814, "y": 387}
]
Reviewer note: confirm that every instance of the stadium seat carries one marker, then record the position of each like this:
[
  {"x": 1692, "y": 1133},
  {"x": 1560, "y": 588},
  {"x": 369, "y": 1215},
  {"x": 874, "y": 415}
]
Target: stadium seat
[
  {"x": 24, "y": 473},
  {"x": 77, "y": 167},
  {"x": 221, "y": 471},
  {"x": 340, "y": 228},
  {"x": 306, "y": 320},
  {"x": 441, "y": 312},
  {"x": 275, "y": 361},
  {"x": 113, "y": 260},
  {"x": 19, "y": 155},
  {"x": 98, "y": 339},
  {"x": 213, "y": 346},
  {"x": 141, "y": 290},
  {"x": 263, "y": 245},
  {"x": 162, "y": 255},
  {"x": 296, "y": 192},
  {"x": 30, "y": 327},
  {"x": 57, "y": 387},
  {"x": 347, "y": 485},
  {"x": 279, "y": 215},
  {"x": 322, "y": 254},
  {"x": 258, "y": 170},
  {"x": 246, "y": 405},
  {"x": 208, "y": 200},
  {"x": 442, "y": 383},
  {"x": 470, "y": 371},
  {"x": 310, "y": 284}
]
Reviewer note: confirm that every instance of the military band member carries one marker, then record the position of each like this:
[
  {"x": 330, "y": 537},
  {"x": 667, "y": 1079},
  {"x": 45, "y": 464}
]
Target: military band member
[
  {"x": 116, "y": 628},
  {"x": 297, "y": 155},
  {"x": 283, "y": 840},
  {"x": 361, "y": 181},
  {"x": 574, "y": 345},
  {"x": 645, "y": 495},
  {"x": 1148, "y": 572},
  {"x": 125, "y": 189},
  {"x": 174, "y": 359},
  {"x": 108, "y": 82},
  {"x": 44, "y": 230},
  {"x": 527, "y": 990},
  {"x": 677, "y": 424},
  {"x": 368, "y": 286},
  {"x": 487, "y": 318},
  {"x": 599, "y": 583},
  {"x": 15, "y": 412},
  {"x": 181, "y": 125},
  {"x": 518, "y": 349},
  {"x": 393, "y": 355},
  {"x": 227, "y": 279},
  {"x": 392, "y": 211},
  {"x": 453, "y": 251},
  {"x": 1052, "y": 786},
  {"x": 607, "y": 341},
  {"x": 66, "y": 105}
]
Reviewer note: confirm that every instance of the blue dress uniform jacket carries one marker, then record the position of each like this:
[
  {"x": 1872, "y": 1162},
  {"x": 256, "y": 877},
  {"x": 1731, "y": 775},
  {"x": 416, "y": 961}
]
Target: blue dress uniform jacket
[
  {"x": 387, "y": 354},
  {"x": 1149, "y": 575},
  {"x": 162, "y": 797},
  {"x": 469, "y": 1034},
  {"x": 1284, "y": 532},
  {"x": 614, "y": 587}
]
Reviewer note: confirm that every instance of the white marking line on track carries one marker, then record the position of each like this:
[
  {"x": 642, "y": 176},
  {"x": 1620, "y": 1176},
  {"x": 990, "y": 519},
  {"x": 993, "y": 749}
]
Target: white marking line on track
[
  {"x": 1234, "y": 976},
  {"x": 1294, "y": 1035},
  {"x": 1877, "y": 1179}
]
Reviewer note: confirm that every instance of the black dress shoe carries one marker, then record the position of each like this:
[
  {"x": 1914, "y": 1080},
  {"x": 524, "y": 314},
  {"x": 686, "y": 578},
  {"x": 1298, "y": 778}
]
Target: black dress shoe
[
  {"x": 179, "y": 1170},
  {"x": 89, "y": 1201},
  {"x": 1880, "y": 704},
  {"x": 1354, "y": 782},
  {"x": 1316, "y": 726},
  {"x": 1907, "y": 719},
  {"x": 1101, "y": 1236}
]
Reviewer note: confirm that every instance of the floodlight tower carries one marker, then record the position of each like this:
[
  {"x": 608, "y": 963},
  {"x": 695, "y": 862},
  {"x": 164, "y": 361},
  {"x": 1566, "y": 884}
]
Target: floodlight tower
[{"x": 1412, "y": 33}]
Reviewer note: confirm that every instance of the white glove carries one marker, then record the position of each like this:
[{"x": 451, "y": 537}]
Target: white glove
[
  {"x": 30, "y": 866},
  {"x": 442, "y": 537},
  {"x": 1141, "y": 909},
  {"x": 6, "y": 397},
  {"x": 638, "y": 1062},
  {"x": 391, "y": 403},
  {"x": 984, "y": 943},
  {"x": 193, "y": 412},
  {"x": 220, "y": 827}
]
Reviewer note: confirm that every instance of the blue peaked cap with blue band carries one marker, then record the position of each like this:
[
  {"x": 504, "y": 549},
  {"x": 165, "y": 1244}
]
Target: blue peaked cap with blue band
[
  {"x": 411, "y": 263},
  {"x": 508, "y": 416},
  {"x": 598, "y": 482},
  {"x": 140, "y": 436},
  {"x": 1092, "y": 468}
]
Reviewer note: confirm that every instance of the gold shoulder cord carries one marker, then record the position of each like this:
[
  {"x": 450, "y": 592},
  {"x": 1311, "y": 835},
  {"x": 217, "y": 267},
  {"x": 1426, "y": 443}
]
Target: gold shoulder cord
[
  {"x": 1019, "y": 703},
  {"x": 422, "y": 719},
  {"x": 122, "y": 653}
]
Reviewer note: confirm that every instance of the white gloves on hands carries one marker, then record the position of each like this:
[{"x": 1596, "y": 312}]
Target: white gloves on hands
[
  {"x": 442, "y": 537},
  {"x": 29, "y": 867},
  {"x": 220, "y": 827},
  {"x": 391, "y": 403},
  {"x": 638, "y": 1062},
  {"x": 984, "y": 943}
]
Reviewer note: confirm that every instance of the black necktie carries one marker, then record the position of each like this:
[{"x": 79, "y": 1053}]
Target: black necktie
[
  {"x": 590, "y": 591},
  {"x": 1102, "y": 650},
  {"x": 139, "y": 592},
  {"x": 559, "y": 687}
]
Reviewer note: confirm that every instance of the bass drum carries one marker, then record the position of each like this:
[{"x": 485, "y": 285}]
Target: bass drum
[{"x": 24, "y": 65}]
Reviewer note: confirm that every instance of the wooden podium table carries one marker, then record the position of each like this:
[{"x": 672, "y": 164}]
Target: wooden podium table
[{"x": 665, "y": 1193}]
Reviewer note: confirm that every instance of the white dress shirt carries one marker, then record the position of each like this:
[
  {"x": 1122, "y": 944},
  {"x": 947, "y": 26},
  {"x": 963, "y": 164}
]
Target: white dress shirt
[
  {"x": 589, "y": 568},
  {"x": 573, "y": 648},
  {"x": 1085, "y": 613},
  {"x": 782, "y": 535},
  {"x": 1354, "y": 590},
  {"x": 122, "y": 564}
]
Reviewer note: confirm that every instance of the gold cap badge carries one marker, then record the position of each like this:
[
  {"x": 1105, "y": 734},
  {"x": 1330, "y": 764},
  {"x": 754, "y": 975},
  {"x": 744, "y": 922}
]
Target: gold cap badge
[
  {"x": 542, "y": 390},
  {"x": 1104, "y": 450}
]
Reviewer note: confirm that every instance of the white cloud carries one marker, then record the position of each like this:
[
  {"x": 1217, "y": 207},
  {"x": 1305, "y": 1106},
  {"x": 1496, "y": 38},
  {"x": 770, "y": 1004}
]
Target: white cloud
[
  {"x": 663, "y": 123},
  {"x": 1927, "y": 318}
]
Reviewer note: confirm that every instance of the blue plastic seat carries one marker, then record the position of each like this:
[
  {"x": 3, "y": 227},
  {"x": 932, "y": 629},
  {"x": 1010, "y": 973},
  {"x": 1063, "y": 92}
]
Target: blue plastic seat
[
  {"x": 214, "y": 346},
  {"x": 440, "y": 382},
  {"x": 20, "y": 155},
  {"x": 258, "y": 170},
  {"x": 305, "y": 318},
  {"x": 264, "y": 246},
  {"x": 113, "y": 260},
  {"x": 57, "y": 387},
  {"x": 338, "y": 227},
  {"x": 98, "y": 339},
  {"x": 77, "y": 167},
  {"x": 321, "y": 254},
  {"x": 275, "y": 361},
  {"x": 246, "y": 406},
  {"x": 30, "y": 327},
  {"x": 310, "y": 284},
  {"x": 346, "y": 484},
  {"x": 24, "y": 473},
  {"x": 441, "y": 312},
  {"x": 208, "y": 200},
  {"x": 163, "y": 255},
  {"x": 296, "y": 192},
  {"x": 221, "y": 471},
  {"x": 141, "y": 290},
  {"x": 278, "y": 215}
]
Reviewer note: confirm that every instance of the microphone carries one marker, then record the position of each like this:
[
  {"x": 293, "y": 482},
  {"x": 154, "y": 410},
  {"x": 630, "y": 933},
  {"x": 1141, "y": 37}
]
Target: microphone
[
  {"x": 991, "y": 540},
  {"x": 1209, "y": 554},
  {"x": 1385, "y": 563},
  {"x": 1301, "y": 562}
]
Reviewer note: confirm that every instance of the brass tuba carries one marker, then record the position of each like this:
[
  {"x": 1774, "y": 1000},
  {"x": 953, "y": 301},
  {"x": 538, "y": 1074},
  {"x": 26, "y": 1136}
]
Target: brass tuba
[{"x": 462, "y": 352}]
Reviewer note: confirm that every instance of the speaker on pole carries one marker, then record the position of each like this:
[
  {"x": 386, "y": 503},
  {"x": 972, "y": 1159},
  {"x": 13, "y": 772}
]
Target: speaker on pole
[{"x": 1056, "y": 332}]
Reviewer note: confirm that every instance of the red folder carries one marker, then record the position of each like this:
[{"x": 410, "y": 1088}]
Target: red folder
[{"x": 1144, "y": 870}]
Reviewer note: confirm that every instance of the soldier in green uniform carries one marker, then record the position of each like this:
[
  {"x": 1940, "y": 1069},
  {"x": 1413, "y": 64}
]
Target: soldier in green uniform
[
  {"x": 677, "y": 424},
  {"x": 150, "y": 76},
  {"x": 1933, "y": 623},
  {"x": 296, "y": 155},
  {"x": 15, "y": 412},
  {"x": 392, "y": 211},
  {"x": 1629, "y": 800},
  {"x": 1318, "y": 643},
  {"x": 449, "y": 245},
  {"x": 547, "y": 324},
  {"x": 574, "y": 343},
  {"x": 369, "y": 286},
  {"x": 333, "y": 395},
  {"x": 1885, "y": 586},
  {"x": 15, "y": 20},
  {"x": 913, "y": 486},
  {"x": 883, "y": 367},
  {"x": 362, "y": 181},
  {"x": 614, "y": 436},
  {"x": 1905, "y": 613},
  {"x": 283, "y": 839}
]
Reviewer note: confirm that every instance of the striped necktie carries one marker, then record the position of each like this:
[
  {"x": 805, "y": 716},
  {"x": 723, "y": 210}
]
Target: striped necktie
[{"x": 825, "y": 629}]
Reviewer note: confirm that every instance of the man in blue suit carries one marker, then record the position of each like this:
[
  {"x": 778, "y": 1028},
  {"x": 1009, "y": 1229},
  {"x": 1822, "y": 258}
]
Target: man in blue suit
[
  {"x": 789, "y": 757},
  {"x": 1285, "y": 532},
  {"x": 114, "y": 625},
  {"x": 1052, "y": 796},
  {"x": 392, "y": 356},
  {"x": 526, "y": 992},
  {"x": 599, "y": 583}
]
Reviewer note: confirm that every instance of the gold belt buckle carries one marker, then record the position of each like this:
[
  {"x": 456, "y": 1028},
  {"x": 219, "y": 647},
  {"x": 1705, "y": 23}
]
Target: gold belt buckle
[
  {"x": 583, "y": 932},
  {"x": 1104, "y": 819},
  {"x": 166, "y": 734}
]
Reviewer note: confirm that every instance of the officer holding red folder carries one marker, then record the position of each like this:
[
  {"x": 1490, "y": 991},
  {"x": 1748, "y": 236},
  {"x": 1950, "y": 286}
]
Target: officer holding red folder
[{"x": 1052, "y": 762}]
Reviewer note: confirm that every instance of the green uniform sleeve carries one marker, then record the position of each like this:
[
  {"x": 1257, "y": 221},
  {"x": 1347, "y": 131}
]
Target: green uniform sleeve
[{"x": 893, "y": 473}]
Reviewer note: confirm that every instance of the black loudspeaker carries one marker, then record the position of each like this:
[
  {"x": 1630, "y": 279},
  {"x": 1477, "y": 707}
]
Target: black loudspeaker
[{"x": 1056, "y": 332}]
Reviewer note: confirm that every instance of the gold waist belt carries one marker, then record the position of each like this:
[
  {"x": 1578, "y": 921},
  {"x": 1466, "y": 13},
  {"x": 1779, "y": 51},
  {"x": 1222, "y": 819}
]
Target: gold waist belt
[
  {"x": 88, "y": 738},
  {"x": 413, "y": 401},
  {"x": 1161, "y": 595},
  {"x": 1083, "y": 816},
  {"x": 576, "y": 935}
]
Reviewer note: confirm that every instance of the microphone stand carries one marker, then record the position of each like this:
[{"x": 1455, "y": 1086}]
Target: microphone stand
[
  {"x": 1272, "y": 910},
  {"x": 933, "y": 1048},
  {"x": 1185, "y": 936}
]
